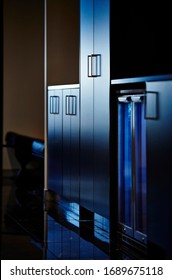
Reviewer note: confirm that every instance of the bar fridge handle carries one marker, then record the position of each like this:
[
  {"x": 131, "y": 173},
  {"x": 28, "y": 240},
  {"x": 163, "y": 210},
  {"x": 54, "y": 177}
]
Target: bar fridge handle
[{"x": 151, "y": 105}]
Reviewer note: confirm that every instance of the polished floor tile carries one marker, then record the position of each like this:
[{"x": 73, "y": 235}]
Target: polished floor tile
[
  {"x": 17, "y": 242},
  {"x": 33, "y": 230}
]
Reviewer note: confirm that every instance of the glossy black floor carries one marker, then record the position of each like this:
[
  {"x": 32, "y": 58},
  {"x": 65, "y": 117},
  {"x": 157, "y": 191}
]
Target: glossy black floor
[
  {"x": 33, "y": 230},
  {"x": 17, "y": 241}
]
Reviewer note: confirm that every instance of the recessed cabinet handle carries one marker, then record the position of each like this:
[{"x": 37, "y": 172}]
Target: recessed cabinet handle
[
  {"x": 94, "y": 65},
  {"x": 54, "y": 104},
  {"x": 71, "y": 105}
]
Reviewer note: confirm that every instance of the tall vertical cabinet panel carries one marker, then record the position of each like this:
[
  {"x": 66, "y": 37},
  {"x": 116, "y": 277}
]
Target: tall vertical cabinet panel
[
  {"x": 63, "y": 141},
  {"x": 86, "y": 84},
  {"x": 55, "y": 139},
  {"x": 95, "y": 83},
  {"x": 159, "y": 180},
  {"x": 71, "y": 144}
]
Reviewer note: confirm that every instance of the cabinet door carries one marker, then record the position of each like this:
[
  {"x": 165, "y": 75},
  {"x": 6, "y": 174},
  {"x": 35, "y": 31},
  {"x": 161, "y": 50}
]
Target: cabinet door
[
  {"x": 55, "y": 140},
  {"x": 66, "y": 147},
  {"x": 71, "y": 144},
  {"x": 101, "y": 107},
  {"x": 94, "y": 77},
  {"x": 159, "y": 158},
  {"x": 87, "y": 99}
]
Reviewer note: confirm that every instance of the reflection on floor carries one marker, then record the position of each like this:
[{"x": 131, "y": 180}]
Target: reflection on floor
[
  {"x": 32, "y": 229},
  {"x": 22, "y": 224}
]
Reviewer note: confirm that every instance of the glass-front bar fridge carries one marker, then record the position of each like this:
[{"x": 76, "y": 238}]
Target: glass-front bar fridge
[{"x": 132, "y": 189}]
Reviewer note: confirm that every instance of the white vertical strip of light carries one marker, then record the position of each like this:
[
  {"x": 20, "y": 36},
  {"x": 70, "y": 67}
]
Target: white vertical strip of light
[{"x": 45, "y": 96}]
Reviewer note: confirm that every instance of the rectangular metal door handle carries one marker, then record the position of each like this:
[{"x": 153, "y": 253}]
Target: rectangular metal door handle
[
  {"x": 54, "y": 104},
  {"x": 94, "y": 65},
  {"x": 71, "y": 105},
  {"x": 151, "y": 105}
]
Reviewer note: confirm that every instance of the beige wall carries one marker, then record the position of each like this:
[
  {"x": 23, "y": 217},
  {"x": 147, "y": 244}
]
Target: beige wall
[
  {"x": 62, "y": 42},
  {"x": 23, "y": 104}
]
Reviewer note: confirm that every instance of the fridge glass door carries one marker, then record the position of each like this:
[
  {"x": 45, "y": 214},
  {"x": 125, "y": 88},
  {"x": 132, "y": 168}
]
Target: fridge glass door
[
  {"x": 125, "y": 166},
  {"x": 140, "y": 172},
  {"x": 132, "y": 167}
]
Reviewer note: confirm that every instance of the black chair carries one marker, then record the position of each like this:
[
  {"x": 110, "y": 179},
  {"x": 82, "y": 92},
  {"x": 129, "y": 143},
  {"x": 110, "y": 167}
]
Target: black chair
[{"x": 29, "y": 152}]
